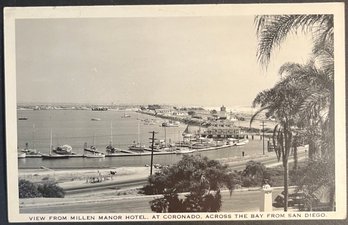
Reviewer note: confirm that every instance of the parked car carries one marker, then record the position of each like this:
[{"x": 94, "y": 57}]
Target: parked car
[
  {"x": 296, "y": 198},
  {"x": 302, "y": 201}
]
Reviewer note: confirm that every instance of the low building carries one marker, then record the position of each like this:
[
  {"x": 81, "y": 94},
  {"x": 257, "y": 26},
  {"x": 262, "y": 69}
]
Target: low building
[{"x": 222, "y": 129}]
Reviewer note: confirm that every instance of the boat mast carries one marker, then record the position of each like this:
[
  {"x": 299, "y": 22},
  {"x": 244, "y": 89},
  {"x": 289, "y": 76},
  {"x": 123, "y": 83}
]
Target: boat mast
[
  {"x": 138, "y": 140},
  {"x": 111, "y": 134},
  {"x": 33, "y": 136},
  {"x": 165, "y": 136},
  {"x": 51, "y": 142}
]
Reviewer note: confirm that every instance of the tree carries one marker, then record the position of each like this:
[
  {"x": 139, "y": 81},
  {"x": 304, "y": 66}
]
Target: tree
[
  {"x": 28, "y": 189},
  {"x": 282, "y": 102},
  {"x": 254, "y": 174},
  {"x": 315, "y": 79},
  {"x": 317, "y": 75},
  {"x": 51, "y": 190},
  {"x": 199, "y": 176},
  {"x": 315, "y": 109},
  {"x": 272, "y": 30}
]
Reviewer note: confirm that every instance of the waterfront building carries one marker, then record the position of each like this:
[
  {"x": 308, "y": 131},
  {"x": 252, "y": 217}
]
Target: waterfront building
[{"x": 221, "y": 129}]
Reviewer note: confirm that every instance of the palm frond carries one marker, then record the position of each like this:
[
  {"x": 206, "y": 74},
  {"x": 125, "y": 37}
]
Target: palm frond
[
  {"x": 257, "y": 113},
  {"x": 272, "y": 30}
]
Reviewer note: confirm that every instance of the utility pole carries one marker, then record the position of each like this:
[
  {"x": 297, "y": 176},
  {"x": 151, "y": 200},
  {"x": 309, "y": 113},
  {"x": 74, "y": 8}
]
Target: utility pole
[
  {"x": 152, "y": 146},
  {"x": 165, "y": 136},
  {"x": 263, "y": 137}
]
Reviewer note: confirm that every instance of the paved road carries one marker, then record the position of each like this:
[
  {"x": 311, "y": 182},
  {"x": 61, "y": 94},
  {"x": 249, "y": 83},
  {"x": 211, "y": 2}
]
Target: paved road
[
  {"x": 140, "y": 182},
  {"x": 240, "y": 201}
]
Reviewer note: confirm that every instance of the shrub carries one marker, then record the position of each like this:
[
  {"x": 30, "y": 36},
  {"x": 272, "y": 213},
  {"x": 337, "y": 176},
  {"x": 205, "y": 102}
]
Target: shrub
[
  {"x": 254, "y": 174},
  {"x": 51, "y": 190},
  {"x": 199, "y": 176},
  {"x": 28, "y": 189}
]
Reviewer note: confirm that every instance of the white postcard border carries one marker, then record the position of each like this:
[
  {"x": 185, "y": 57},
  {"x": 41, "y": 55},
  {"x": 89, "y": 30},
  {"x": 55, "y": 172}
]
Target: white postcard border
[{"x": 11, "y": 14}]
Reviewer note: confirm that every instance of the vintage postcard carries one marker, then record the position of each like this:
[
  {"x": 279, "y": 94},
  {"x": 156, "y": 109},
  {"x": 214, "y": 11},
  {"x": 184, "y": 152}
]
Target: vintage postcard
[{"x": 175, "y": 112}]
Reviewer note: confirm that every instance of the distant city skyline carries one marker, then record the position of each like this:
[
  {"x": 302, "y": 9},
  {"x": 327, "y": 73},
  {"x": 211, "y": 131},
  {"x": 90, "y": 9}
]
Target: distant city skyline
[{"x": 201, "y": 61}]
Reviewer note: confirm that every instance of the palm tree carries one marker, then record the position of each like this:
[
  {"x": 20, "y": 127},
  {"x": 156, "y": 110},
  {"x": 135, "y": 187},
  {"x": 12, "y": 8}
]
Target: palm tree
[
  {"x": 272, "y": 30},
  {"x": 317, "y": 75},
  {"x": 282, "y": 102},
  {"x": 316, "y": 108},
  {"x": 315, "y": 79}
]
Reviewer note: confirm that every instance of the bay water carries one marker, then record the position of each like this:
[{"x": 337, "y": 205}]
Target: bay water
[{"x": 76, "y": 127}]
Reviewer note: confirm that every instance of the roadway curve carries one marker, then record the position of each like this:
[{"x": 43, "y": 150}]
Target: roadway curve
[{"x": 268, "y": 162}]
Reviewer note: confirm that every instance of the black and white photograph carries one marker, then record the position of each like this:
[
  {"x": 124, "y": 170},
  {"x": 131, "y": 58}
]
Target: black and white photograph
[{"x": 175, "y": 112}]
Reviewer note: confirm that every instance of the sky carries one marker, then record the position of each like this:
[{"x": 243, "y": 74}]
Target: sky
[{"x": 200, "y": 61}]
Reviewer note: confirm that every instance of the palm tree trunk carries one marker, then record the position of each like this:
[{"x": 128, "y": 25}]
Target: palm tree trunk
[
  {"x": 287, "y": 144},
  {"x": 286, "y": 189},
  {"x": 295, "y": 158},
  {"x": 311, "y": 149}
]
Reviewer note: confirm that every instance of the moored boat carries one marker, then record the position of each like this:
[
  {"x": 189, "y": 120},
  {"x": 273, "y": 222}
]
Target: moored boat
[
  {"x": 184, "y": 151},
  {"x": 29, "y": 151},
  {"x": 137, "y": 148},
  {"x": 53, "y": 156},
  {"x": 21, "y": 155},
  {"x": 64, "y": 150},
  {"x": 170, "y": 124},
  {"x": 95, "y": 155}
]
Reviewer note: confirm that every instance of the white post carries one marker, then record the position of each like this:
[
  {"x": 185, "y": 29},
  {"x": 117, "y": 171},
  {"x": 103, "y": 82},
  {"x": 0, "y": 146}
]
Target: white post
[{"x": 266, "y": 198}]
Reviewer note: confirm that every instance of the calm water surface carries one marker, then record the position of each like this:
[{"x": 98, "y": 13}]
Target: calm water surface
[{"x": 75, "y": 127}]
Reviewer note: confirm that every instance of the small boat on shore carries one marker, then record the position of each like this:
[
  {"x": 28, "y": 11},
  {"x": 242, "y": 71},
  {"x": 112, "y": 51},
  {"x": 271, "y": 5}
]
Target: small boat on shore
[
  {"x": 23, "y": 118},
  {"x": 95, "y": 119}
]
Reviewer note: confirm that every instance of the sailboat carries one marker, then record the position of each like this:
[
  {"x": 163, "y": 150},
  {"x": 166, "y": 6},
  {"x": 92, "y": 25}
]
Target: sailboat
[
  {"x": 94, "y": 150},
  {"x": 186, "y": 133},
  {"x": 53, "y": 156},
  {"x": 137, "y": 147},
  {"x": 110, "y": 149},
  {"x": 31, "y": 151}
]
